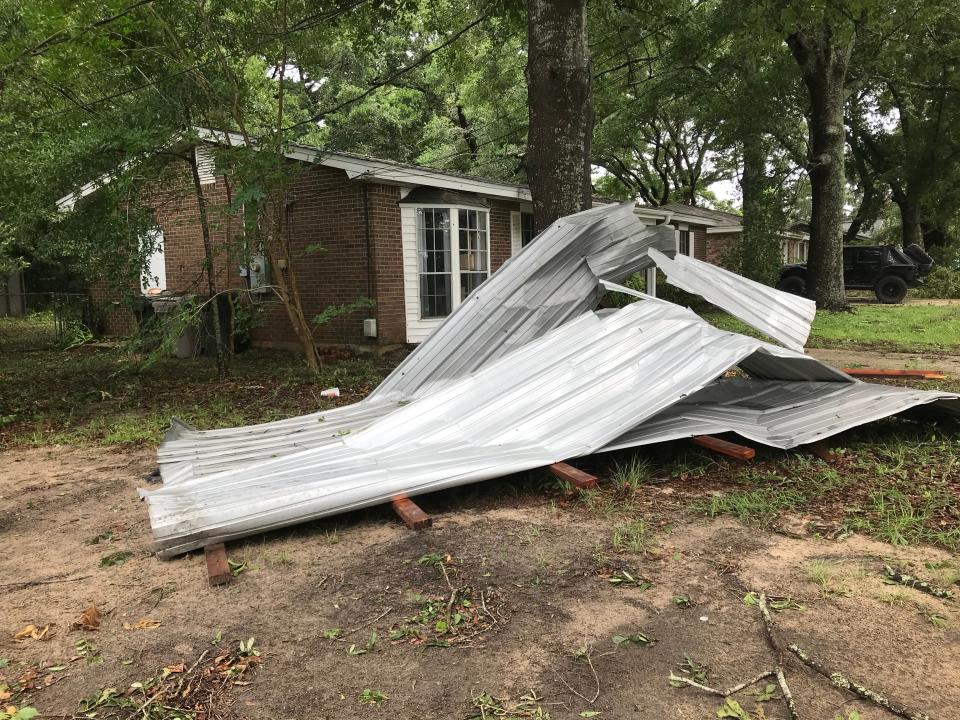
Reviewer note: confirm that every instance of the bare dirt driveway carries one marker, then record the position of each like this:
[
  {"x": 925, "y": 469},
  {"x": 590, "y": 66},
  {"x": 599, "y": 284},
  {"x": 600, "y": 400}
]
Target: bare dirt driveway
[{"x": 505, "y": 608}]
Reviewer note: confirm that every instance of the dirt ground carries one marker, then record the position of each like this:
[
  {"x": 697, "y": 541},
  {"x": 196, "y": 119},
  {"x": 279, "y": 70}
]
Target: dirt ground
[{"x": 535, "y": 566}]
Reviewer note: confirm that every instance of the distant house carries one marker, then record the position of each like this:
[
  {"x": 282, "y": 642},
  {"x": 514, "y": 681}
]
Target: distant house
[
  {"x": 708, "y": 234},
  {"x": 415, "y": 240}
]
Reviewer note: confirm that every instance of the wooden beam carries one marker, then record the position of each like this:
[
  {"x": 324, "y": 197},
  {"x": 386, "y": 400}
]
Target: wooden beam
[
  {"x": 740, "y": 452},
  {"x": 577, "y": 478},
  {"x": 889, "y": 372},
  {"x": 218, "y": 569},
  {"x": 411, "y": 514}
]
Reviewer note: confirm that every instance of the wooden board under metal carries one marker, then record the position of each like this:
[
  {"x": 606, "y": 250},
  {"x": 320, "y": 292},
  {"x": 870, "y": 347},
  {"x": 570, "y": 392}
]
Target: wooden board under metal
[
  {"x": 218, "y": 569},
  {"x": 410, "y": 513},
  {"x": 576, "y": 477},
  {"x": 723, "y": 447},
  {"x": 890, "y": 372}
]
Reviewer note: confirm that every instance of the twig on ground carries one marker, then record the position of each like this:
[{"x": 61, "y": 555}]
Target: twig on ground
[
  {"x": 31, "y": 583},
  {"x": 365, "y": 623},
  {"x": 721, "y": 693},
  {"x": 483, "y": 604},
  {"x": 841, "y": 681},
  {"x": 596, "y": 678},
  {"x": 787, "y": 695},
  {"x": 917, "y": 584}
]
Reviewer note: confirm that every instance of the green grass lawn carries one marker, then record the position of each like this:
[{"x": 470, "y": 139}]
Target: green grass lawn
[
  {"x": 100, "y": 393},
  {"x": 895, "y": 328}
]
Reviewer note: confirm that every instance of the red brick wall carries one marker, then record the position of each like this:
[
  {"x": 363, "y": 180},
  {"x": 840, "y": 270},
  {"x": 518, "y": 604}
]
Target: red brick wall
[
  {"x": 500, "y": 232},
  {"x": 357, "y": 225},
  {"x": 699, "y": 233},
  {"x": 718, "y": 248},
  {"x": 387, "y": 246}
]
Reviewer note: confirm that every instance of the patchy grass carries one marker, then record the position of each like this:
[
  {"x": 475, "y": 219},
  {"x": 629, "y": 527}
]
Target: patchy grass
[
  {"x": 896, "y": 328},
  {"x": 99, "y": 394}
]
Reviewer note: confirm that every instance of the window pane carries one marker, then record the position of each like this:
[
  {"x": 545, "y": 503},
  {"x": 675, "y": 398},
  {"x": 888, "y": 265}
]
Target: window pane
[
  {"x": 433, "y": 241},
  {"x": 526, "y": 229},
  {"x": 473, "y": 250}
]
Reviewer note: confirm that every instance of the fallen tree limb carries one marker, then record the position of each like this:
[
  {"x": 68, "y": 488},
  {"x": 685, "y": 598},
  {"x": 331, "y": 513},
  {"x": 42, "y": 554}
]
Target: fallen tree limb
[
  {"x": 841, "y": 681},
  {"x": 917, "y": 584}
]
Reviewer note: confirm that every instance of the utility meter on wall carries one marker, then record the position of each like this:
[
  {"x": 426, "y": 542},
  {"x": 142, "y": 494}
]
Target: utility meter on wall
[{"x": 257, "y": 273}]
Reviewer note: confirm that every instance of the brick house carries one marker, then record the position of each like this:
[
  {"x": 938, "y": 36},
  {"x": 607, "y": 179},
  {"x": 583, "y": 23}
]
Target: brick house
[
  {"x": 414, "y": 240},
  {"x": 708, "y": 234}
]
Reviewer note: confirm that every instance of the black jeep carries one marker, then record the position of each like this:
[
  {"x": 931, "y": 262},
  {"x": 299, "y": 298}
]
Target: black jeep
[{"x": 885, "y": 269}]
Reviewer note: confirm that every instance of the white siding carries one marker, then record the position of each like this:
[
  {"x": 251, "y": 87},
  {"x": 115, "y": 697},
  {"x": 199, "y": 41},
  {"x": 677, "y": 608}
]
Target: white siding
[
  {"x": 205, "y": 165},
  {"x": 516, "y": 237},
  {"x": 417, "y": 329}
]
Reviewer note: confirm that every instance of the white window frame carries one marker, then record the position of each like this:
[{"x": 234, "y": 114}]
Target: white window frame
[
  {"x": 454, "y": 257},
  {"x": 154, "y": 280},
  {"x": 802, "y": 257},
  {"x": 683, "y": 227},
  {"x": 516, "y": 229}
]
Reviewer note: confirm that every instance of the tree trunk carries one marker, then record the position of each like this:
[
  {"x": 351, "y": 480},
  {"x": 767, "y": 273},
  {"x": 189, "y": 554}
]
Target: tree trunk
[
  {"x": 823, "y": 62},
  {"x": 759, "y": 251},
  {"x": 559, "y": 79},
  {"x": 208, "y": 261},
  {"x": 911, "y": 230}
]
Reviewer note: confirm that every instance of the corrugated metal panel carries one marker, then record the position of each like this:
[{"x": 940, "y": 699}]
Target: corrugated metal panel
[
  {"x": 784, "y": 317},
  {"x": 566, "y": 394},
  {"x": 522, "y": 375},
  {"x": 552, "y": 280},
  {"x": 781, "y": 414}
]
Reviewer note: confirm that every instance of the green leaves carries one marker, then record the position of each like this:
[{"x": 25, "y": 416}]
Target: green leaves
[
  {"x": 115, "y": 559},
  {"x": 623, "y": 577},
  {"x": 637, "y": 638}
]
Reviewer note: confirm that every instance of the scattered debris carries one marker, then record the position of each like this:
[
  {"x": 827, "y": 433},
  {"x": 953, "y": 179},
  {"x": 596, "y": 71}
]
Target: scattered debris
[
  {"x": 177, "y": 691},
  {"x": 33, "y": 632},
  {"x": 911, "y": 582},
  {"x": 841, "y": 681},
  {"x": 115, "y": 559},
  {"x": 89, "y": 619}
]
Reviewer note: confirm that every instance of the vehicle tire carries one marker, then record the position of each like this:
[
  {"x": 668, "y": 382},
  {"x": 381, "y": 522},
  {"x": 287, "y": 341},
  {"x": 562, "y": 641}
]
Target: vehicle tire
[
  {"x": 891, "y": 289},
  {"x": 793, "y": 284}
]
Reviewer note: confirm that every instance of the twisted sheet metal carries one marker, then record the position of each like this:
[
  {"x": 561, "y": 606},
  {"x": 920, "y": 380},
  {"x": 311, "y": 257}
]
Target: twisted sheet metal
[
  {"x": 522, "y": 375},
  {"x": 566, "y": 394},
  {"x": 782, "y": 414},
  {"x": 782, "y": 316},
  {"x": 552, "y": 280}
]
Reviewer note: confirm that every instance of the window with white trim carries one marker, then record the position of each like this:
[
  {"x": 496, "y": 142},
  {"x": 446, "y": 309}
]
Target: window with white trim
[
  {"x": 802, "y": 251},
  {"x": 446, "y": 278},
  {"x": 684, "y": 242},
  {"x": 436, "y": 268},
  {"x": 526, "y": 229},
  {"x": 154, "y": 278}
]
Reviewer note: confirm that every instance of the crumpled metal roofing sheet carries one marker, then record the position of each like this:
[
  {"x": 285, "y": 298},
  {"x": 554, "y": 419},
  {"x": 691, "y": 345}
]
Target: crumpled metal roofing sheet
[
  {"x": 781, "y": 414},
  {"x": 520, "y": 376},
  {"x": 784, "y": 317},
  {"x": 552, "y": 280},
  {"x": 563, "y": 395}
]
